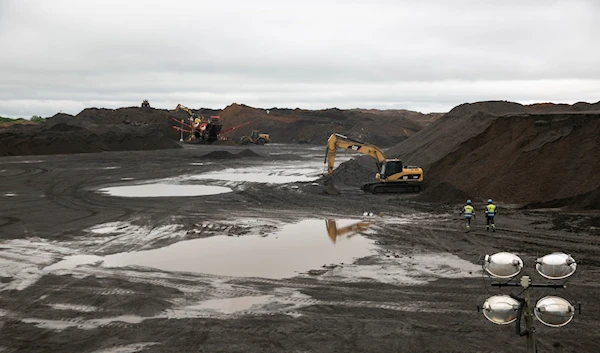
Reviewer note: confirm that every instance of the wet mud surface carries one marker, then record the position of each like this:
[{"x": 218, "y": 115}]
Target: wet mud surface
[{"x": 411, "y": 280}]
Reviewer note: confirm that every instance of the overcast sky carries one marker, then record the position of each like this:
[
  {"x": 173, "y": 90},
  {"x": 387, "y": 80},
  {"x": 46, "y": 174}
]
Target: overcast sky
[{"x": 419, "y": 55}]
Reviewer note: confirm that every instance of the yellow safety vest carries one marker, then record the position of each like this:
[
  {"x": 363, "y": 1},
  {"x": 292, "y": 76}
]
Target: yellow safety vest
[
  {"x": 468, "y": 209},
  {"x": 490, "y": 209}
]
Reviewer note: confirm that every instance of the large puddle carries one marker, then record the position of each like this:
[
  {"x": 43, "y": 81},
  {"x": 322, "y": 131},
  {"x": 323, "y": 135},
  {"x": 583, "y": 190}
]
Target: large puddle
[
  {"x": 271, "y": 173},
  {"x": 295, "y": 248},
  {"x": 233, "y": 305},
  {"x": 263, "y": 174},
  {"x": 164, "y": 190}
]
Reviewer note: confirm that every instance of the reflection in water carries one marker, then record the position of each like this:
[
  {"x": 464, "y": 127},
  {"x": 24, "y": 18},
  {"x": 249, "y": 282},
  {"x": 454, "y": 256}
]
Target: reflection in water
[
  {"x": 293, "y": 249},
  {"x": 334, "y": 232}
]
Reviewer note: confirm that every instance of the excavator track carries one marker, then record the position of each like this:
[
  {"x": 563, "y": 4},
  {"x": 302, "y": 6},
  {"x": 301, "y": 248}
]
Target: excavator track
[{"x": 391, "y": 188}]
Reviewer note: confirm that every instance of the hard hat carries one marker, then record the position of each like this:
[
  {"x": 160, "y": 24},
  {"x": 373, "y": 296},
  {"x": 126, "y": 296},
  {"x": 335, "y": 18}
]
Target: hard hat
[
  {"x": 468, "y": 202},
  {"x": 489, "y": 200}
]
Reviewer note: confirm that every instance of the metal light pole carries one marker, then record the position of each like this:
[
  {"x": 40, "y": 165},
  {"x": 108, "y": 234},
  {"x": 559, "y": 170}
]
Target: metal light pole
[
  {"x": 505, "y": 309},
  {"x": 181, "y": 137},
  {"x": 530, "y": 330}
]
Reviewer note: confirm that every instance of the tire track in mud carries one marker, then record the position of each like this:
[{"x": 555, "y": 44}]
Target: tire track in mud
[
  {"x": 78, "y": 198},
  {"x": 26, "y": 180},
  {"x": 515, "y": 236},
  {"x": 282, "y": 290},
  {"x": 9, "y": 221},
  {"x": 54, "y": 190},
  {"x": 483, "y": 242}
]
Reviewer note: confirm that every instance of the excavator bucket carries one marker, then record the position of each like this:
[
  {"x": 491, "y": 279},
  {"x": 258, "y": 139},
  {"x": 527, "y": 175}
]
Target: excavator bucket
[{"x": 328, "y": 186}]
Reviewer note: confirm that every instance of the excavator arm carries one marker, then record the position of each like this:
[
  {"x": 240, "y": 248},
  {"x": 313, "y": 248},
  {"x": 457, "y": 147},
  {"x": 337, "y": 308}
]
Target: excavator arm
[
  {"x": 185, "y": 109},
  {"x": 336, "y": 141},
  {"x": 334, "y": 232}
]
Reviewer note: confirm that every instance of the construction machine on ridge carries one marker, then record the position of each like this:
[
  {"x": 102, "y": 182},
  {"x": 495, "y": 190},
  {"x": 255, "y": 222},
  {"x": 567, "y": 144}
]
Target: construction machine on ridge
[
  {"x": 257, "y": 138},
  {"x": 201, "y": 129}
]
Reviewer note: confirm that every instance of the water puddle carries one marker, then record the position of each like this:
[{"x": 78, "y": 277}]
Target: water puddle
[
  {"x": 60, "y": 325},
  {"x": 281, "y": 300},
  {"x": 269, "y": 175},
  {"x": 273, "y": 173},
  {"x": 22, "y": 260},
  {"x": 73, "y": 307},
  {"x": 164, "y": 190},
  {"x": 128, "y": 348},
  {"x": 294, "y": 249},
  {"x": 232, "y": 305},
  {"x": 10, "y": 194},
  {"x": 110, "y": 228},
  {"x": 112, "y": 237},
  {"x": 74, "y": 261}
]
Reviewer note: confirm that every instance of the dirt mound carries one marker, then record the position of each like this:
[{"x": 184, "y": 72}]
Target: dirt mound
[
  {"x": 462, "y": 123},
  {"x": 66, "y": 137},
  {"x": 133, "y": 116},
  {"x": 502, "y": 150},
  {"x": 561, "y": 108},
  {"x": 527, "y": 159},
  {"x": 63, "y": 127},
  {"x": 440, "y": 138},
  {"x": 315, "y": 126},
  {"x": 387, "y": 127},
  {"x": 355, "y": 172},
  {"x": 420, "y": 118},
  {"x": 219, "y": 155},
  {"x": 448, "y": 132},
  {"x": 247, "y": 153},
  {"x": 444, "y": 193},
  {"x": 589, "y": 200}
]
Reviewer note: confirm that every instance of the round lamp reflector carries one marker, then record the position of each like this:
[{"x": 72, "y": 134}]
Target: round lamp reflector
[
  {"x": 557, "y": 265},
  {"x": 501, "y": 309},
  {"x": 554, "y": 311},
  {"x": 503, "y": 265}
]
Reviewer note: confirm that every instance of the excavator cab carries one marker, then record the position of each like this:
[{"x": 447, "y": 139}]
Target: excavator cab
[
  {"x": 255, "y": 135},
  {"x": 390, "y": 167}
]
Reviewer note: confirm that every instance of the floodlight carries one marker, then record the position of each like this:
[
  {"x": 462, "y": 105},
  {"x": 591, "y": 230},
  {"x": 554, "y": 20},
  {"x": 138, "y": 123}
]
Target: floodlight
[
  {"x": 554, "y": 311},
  {"x": 503, "y": 265},
  {"x": 501, "y": 309},
  {"x": 557, "y": 265}
]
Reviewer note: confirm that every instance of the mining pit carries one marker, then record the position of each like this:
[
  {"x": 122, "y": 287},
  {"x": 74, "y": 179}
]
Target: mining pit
[{"x": 251, "y": 266}]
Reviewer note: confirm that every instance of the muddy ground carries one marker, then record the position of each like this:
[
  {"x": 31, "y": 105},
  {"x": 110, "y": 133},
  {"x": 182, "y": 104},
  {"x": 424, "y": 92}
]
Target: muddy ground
[{"x": 416, "y": 290}]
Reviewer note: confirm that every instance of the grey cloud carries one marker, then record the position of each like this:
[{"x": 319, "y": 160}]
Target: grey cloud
[{"x": 314, "y": 53}]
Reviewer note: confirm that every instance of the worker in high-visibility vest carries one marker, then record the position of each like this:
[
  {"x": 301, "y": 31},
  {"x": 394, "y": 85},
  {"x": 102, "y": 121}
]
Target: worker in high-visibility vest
[
  {"x": 490, "y": 212},
  {"x": 467, "y": 212}
]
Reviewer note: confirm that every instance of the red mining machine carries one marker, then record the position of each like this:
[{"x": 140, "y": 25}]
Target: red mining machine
[{"x": 202, "y": 129}]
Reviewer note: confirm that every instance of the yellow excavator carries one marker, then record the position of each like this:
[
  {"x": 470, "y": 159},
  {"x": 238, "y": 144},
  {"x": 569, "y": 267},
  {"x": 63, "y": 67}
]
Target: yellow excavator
[
  {"x": 393, "y": 176},
  {"x": 334, "y": 232}
]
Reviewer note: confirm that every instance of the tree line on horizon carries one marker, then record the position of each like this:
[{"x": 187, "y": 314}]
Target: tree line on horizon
[{"x": 35, "y": 119}]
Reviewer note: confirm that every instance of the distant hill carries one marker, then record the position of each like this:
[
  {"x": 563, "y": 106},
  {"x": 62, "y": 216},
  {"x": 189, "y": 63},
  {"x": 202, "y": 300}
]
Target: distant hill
[{"x": 379, "y": 127}]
